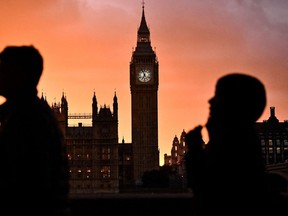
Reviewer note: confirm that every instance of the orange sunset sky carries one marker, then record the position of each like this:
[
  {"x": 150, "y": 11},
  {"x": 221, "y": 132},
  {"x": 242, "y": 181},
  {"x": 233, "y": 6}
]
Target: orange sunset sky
[{"x": 87, "y": 46}]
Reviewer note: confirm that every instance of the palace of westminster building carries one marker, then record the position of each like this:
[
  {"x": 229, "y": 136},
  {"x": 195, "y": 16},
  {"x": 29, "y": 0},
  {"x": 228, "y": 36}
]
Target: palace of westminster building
[{"x": 100, "y": 164}]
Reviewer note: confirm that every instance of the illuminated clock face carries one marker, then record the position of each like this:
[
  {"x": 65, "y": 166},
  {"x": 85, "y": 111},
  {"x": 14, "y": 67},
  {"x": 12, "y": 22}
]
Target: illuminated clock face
[{"x": 144, "y": 75}]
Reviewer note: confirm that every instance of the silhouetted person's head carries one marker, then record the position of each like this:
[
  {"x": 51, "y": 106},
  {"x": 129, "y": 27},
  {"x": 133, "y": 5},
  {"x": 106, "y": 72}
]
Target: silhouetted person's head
[
  {"x": 239, "y": 99},
  {"x": 20, "y": 70}
]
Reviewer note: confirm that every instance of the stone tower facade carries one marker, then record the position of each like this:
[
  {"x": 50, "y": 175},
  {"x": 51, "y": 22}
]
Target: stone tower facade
[{"x": 144, "y": 81}]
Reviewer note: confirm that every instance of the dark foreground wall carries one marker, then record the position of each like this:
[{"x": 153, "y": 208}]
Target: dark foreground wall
[{"x": 133, "y": 204}]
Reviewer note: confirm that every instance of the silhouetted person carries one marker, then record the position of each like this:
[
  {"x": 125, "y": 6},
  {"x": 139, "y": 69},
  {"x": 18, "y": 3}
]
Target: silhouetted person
[
  {"x": 34, "y": 171},
  {"x": 227, "y": 175}
]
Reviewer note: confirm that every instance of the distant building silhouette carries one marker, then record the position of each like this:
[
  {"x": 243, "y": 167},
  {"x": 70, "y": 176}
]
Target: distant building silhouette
[
  {"x": 176, "y": 159},
  {"x": 178, "y": 151},
  {"x": 274, "y": 140}
]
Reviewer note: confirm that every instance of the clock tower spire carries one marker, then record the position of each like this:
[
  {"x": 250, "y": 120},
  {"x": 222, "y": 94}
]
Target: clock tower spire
[
  {"x": 143, "y": 31},
  {"x": 144, "y": 80}
]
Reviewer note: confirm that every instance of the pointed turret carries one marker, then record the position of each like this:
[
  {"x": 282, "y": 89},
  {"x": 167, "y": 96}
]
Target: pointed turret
[
  {"x": 94, "y": 108},
  {"x": 64, "y": 111},
  {"x": 115, "y": 106},
  {"x": 43, "y": 98},
  {"x": 64, "y": 105}
]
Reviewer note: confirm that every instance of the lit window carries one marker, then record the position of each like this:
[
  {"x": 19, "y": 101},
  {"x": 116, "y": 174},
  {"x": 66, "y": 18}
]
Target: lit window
[
  {"x": 105, "y": 171},
  {"x": 270, "y": 150}
]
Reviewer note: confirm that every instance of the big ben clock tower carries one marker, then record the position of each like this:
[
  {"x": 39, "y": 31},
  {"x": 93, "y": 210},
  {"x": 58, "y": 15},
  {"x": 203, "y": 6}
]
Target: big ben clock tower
[{"x": 144, "y": 80}]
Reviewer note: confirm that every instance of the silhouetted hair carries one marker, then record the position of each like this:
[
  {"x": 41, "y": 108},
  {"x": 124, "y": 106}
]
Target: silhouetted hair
[
  {"x": 245, "y": 95},
  {"x": 26, "y": 59}
]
